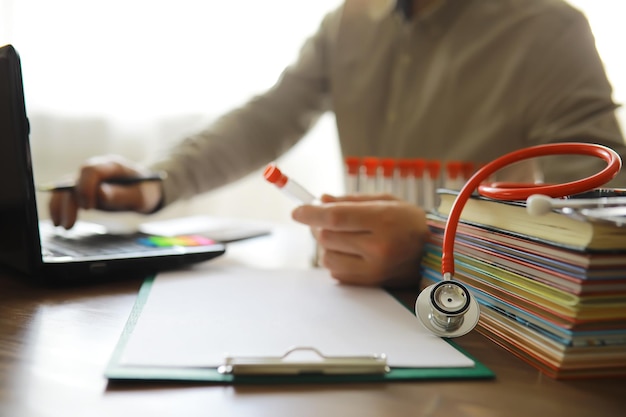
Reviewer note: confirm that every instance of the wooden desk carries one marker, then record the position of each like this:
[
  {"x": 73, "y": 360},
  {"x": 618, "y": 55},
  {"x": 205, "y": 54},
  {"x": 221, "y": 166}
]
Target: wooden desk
[{"x": 55, "y": 344}]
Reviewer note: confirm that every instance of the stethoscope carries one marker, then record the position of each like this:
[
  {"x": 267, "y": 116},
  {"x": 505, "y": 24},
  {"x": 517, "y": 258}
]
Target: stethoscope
[{"x": 448, "y": 308}]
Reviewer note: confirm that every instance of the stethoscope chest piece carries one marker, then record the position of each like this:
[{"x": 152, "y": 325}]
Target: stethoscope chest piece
[{"x": 447, "y": 309}]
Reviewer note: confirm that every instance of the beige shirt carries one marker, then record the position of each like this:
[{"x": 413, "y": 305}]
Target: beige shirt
[{"x": 471, "y": 80}]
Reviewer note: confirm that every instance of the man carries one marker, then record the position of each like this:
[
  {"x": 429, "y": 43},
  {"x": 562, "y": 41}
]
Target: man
[{"x": 438, "y": 79}]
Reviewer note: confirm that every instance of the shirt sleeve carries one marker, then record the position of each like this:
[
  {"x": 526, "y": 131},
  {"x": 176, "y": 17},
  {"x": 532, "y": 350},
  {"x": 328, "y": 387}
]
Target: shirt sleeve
[
  {"x": 573, "y": 99},
  {"x": 249, "y": 137}
]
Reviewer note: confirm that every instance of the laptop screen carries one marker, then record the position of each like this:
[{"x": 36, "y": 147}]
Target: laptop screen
[{"x": 19, "y": 237}]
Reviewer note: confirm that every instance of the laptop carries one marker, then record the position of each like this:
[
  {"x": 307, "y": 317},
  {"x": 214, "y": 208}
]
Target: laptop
[{"x": 51, "y": 255}]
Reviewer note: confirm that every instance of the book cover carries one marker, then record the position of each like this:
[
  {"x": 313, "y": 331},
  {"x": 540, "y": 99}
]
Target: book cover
[{"x": 553, "y": 227}]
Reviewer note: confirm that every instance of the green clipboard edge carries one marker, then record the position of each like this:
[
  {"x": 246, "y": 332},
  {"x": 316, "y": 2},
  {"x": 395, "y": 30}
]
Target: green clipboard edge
[{"x": 117, "y": 372}]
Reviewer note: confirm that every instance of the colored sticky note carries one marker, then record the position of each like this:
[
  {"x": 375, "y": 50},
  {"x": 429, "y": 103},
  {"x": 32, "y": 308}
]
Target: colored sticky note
[{"x": 166, "y": 241}]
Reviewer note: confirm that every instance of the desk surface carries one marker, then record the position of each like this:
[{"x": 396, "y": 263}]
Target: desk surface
[{"x": 55, "y": 343}]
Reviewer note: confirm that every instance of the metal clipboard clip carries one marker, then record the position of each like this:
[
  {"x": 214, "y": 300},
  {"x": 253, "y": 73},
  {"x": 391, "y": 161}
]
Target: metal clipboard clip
[{"x": 321, "y": 364}]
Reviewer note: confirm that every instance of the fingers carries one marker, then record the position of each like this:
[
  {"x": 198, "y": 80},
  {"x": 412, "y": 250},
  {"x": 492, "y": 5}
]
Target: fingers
[
  {"x": 347, "y": 268},
  {"x": 367, "y": 242},
  {"x": 93, "y": 173},
  {"x": 353, "y": 270},
  {"x": 326, "y": 198},
  {"x": 142, "y": 198},
  {"x": 343, "y": 216},
  {"x": 376, "y": 248},
  {"x": 352, "y": 243},
  {"x": 63, "y": 209},
  {"x": 92, "y": 192}
]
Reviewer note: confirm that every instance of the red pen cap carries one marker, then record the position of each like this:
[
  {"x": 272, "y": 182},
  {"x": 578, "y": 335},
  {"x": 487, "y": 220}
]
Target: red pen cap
[{"x": 273, "y": 175}]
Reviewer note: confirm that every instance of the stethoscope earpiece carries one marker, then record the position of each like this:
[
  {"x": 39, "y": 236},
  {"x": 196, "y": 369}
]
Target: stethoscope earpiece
[{"x": 539, "y": 204}]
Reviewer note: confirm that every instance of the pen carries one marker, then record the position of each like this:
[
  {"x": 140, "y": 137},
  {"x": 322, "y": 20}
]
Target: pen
[{"x": 69, "y": 186}]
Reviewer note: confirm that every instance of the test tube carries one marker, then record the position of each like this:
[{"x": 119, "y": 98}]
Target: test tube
[
  {"x": 288, "y": 186},
  {"x": 405, "y": 185},
  {"x": 369, "y": 175},
  {"x": 417, "y": 186},
  {"x": 431, "y": 179},
  {"x": 388, "y": 176},
  {"x": 294, "y": 191},
  {"x": 454, "y": 179},
  {"x": 352, "y": 166},
  {"x": 468, "y": 170}
]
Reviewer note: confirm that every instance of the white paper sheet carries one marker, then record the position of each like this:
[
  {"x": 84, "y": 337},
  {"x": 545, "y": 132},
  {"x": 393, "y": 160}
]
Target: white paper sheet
[{"x": 195, "y": 318}]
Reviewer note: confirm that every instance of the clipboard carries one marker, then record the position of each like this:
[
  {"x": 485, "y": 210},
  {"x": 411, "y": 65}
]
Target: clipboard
[{"x": 268, "y": 369}]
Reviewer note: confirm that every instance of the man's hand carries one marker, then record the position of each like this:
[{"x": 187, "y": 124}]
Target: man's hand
[
  {"x": 91, "y": 192},
  {"x": 367, "y": 240}
]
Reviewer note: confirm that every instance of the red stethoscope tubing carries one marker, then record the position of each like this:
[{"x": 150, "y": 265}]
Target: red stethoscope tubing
[{"x": 523, "y": 191}]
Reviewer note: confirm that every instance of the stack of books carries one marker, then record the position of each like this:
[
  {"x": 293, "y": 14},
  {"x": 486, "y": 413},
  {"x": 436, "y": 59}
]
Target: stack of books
[{"x": 552, "y": 289}]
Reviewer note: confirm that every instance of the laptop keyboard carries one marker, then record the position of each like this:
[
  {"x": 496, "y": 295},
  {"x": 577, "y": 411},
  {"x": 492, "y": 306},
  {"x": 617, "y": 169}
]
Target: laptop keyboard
[{"x": 93, "y": 245}]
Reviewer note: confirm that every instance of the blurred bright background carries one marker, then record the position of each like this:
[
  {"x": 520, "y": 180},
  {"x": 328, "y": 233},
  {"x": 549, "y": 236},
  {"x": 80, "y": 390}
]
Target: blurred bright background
[{"x": 132, "y": 77}]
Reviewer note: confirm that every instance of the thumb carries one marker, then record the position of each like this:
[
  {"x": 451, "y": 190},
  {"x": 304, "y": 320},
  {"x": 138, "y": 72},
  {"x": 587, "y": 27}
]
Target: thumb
[{"x": 327, "y": 198}]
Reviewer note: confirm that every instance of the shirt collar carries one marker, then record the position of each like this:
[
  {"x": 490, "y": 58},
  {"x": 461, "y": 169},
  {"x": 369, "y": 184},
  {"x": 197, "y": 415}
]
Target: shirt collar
[
  {"x": 403, "y": 7},
  {"x": 436, "y": 20}
]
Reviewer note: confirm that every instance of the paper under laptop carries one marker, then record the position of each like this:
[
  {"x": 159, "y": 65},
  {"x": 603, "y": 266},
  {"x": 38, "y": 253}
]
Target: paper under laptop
[{"x": 24, "y": 248}]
